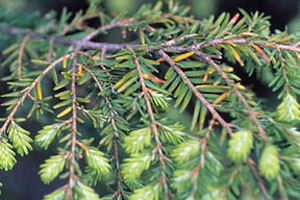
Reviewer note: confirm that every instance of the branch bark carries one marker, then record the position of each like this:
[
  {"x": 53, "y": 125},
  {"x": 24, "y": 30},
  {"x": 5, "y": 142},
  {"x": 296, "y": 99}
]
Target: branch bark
[
  {"x": 21, "y": 52},
  {"x": 87, "y": 44},
  {"x": 74, "y": 125}
]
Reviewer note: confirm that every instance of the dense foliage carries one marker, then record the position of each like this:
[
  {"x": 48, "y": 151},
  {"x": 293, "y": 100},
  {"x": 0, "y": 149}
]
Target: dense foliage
[{"x": 236, "y": 146}]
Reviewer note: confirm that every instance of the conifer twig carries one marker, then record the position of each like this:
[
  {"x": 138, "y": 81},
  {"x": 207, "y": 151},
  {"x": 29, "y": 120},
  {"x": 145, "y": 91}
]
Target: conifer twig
[
  {"x": 34, "y": 100},
  {"x": 186, "y": 19},
  {"x": 281, "y": 189},
  {"x": 252, "y": 114},
  {"x": 115, "y": 133},
  {"x": 21, "y": 52},
  {"x": 120, "y": 190},
  {"x": 197, "y": 169},
  {"x": 262, "y": 187},
  {"x": 285, "y": 73},
  {"x": 180, "y": 39},
  {"x": 123, "y": 23},
  {"x": 249, "y": 42},
  {"x": 29, "y": 89},
  {"x": 87, "y": 44},
  {"x": 50, "y": 51},
  {"x": 162, "y": 157},
  {"x": 195, "y": 91},
  {"x": 74, "y": 124}
]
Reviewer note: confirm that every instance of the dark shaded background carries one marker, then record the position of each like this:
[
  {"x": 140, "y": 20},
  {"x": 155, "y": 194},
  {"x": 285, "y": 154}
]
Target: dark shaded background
[{"x": 23, "y": 182}]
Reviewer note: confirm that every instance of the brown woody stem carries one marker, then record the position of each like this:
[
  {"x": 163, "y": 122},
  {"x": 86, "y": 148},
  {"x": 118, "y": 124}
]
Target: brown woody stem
[
  {"x": 21, "y": 52},
  {"x": 74, "y": 125}
]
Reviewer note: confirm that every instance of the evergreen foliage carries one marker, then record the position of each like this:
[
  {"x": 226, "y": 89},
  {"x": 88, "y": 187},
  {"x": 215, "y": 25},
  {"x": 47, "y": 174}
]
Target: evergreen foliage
[{"x": 108, "y": 105}]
